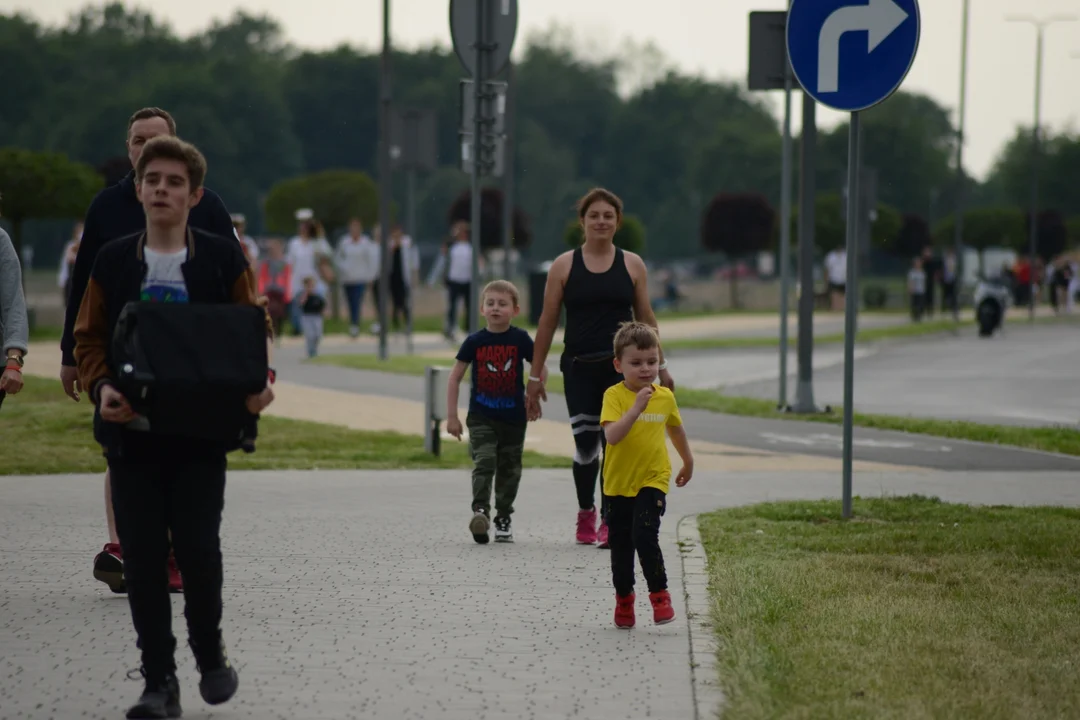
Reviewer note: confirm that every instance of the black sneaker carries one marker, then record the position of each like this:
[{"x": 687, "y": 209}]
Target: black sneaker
[
  {"x": 479, "y": 526},
  {"x": 503, "y": 533},
  {"x": 160, "y": 698},
  {"x": 219, "y": 680}
]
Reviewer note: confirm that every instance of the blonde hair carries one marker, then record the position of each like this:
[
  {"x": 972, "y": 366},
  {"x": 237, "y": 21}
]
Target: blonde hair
[
  {"x": 502, "y": 286},
  {"x": 635, "y": 334}
]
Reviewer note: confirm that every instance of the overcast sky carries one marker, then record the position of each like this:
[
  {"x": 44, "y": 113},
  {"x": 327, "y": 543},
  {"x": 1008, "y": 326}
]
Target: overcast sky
[{"x": 708, "y": 37}]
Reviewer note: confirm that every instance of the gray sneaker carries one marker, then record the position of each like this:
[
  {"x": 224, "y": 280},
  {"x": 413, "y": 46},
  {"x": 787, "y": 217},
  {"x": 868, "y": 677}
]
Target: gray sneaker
[
  {"x": 479, "y": 526},
  {"x": 503, "y": 533}
]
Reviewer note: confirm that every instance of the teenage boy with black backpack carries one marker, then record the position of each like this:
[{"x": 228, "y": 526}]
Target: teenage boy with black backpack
[{"x": 164, "y": 484}]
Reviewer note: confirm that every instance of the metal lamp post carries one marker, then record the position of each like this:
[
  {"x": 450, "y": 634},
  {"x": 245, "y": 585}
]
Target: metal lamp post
[{"x": 1040, "y": 31}]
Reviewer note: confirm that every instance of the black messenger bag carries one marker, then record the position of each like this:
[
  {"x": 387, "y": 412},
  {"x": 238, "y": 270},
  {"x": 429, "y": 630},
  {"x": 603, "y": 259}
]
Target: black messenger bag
[{"x": 188, "y": 368}]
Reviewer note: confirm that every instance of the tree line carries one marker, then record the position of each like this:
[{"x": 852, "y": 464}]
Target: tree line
[{"x": 272, "y": 119}]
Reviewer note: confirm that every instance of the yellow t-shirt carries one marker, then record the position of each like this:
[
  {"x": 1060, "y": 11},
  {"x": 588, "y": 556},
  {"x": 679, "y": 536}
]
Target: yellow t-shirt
[{"x": 640, "y": 460}]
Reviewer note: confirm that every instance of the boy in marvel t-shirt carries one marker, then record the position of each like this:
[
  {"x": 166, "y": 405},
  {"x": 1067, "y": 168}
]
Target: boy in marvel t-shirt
[{"x": 497, "y": 412}]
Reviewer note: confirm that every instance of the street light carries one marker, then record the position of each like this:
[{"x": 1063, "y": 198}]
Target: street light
[
  {"x": 1040, "y": 29},
  {"x": 958, "y": 278}
]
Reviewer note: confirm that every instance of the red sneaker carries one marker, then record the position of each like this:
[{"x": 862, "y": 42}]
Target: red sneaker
[
  {"x": 176, "y": 583},
  {"x": 109, "y": 568},
  {"x": 624, "y": 611},
  {"x": 586, "y": 527},
  {"x": 662, "y": 611},
  {"x": 602, "y": 536}
]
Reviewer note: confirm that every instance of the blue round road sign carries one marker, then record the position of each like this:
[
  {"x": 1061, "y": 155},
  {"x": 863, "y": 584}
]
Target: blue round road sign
[{"x": 850, "y": 54}]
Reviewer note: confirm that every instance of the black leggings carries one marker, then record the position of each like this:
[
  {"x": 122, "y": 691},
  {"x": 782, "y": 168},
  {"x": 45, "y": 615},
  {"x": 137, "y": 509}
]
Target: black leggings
[
  {"x": 153, "y": 498},
  {"x": 634, "y": 527},
  {"x": 585, "y": 379}
]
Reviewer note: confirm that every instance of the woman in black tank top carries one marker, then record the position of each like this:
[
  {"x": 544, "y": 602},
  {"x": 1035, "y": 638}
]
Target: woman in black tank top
[{"x": 601, "y": 287}]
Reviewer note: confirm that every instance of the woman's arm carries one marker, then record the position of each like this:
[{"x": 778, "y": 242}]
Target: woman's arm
[{"x": 643, "y": 311}]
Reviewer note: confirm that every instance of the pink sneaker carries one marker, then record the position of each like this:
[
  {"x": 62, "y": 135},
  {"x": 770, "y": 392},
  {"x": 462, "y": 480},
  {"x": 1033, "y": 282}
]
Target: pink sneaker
[
  {"x": 601, "y": 536},
  {"x": 586, "y": 527}
]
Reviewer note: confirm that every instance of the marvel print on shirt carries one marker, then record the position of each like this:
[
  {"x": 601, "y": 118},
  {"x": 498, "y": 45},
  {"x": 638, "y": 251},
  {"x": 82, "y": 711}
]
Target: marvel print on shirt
[{"x": 497, "y": 373}]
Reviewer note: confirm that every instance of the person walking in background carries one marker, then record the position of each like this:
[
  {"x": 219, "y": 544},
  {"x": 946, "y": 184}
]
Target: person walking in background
[
  {"x": 916, "y": 285},
  {"x": 836, "y": 275},
  {"x": 14, "y": 326},
  {"x": 401, "y": 274},
  {"x": 67, "y": 262},
  {"x": 275, "y": 283},
  {"x": 950, "y": 281},
  {"x": 458, "y": 277},
  {"x": 117, "y": 212},
  {"x": 357, "y": 262},
  {"x": 932, "y": 267},
  {"x": 637, "y": 470},
  {"x": 602, "y": 287},
  {"x": 303, "y": 255},
  {"x": 312, "y": 301},
  {"x": 251, "y": 248}
]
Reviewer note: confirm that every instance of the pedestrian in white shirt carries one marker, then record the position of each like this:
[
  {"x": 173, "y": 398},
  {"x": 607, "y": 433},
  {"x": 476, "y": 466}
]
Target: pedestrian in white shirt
[
  {"x": 357, "y": 261},
  {"x": 836, "y": 273},
  {"x": 251, "y": 248},
  {"x": 303, "y": 257},
  {"x": 458, "y": 276}
]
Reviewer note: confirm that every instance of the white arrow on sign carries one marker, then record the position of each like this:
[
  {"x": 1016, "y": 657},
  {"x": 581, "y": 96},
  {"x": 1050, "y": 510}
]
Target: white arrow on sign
[{"x": 879, "y": 19}]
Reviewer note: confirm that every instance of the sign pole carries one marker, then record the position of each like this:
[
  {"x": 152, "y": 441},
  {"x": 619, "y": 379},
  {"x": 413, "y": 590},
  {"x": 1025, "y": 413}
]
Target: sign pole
[
  {"x": 477, "y": 149},
  {"x": 785, "y": 234},
  {"x": 851, "y": 296},
  {"x": 804, "y": 388},
  {"x": 385, "y": 182}
]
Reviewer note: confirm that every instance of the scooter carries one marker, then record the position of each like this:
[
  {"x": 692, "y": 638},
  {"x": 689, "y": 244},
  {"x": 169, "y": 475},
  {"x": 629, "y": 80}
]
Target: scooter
[{"x": 992, "y": 299}]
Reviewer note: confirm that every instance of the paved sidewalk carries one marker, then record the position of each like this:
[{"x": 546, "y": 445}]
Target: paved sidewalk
[{"x": 361, "y": 595}]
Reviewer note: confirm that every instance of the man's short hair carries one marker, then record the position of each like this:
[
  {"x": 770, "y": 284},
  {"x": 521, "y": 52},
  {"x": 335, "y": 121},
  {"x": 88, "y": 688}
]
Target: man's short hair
[
  {"x": 152, "y": 112},
  {"x": 166, "y": 147}
]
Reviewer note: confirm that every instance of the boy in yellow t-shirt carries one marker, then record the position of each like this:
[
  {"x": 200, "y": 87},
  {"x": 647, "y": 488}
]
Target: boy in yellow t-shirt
[{"x": 637, "y": 470}]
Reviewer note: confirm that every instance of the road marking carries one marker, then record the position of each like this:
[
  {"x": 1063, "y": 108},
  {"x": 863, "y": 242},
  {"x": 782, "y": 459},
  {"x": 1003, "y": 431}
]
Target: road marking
[{"x": 836, "y": 442}]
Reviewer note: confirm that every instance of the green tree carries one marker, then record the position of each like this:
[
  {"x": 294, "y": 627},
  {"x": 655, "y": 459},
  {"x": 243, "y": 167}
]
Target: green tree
[
  {"x": 630, "y": 236},
  {"x": 37, "y": 185},
  {"x": 993, "y": 227},
  {"x": 910, "y": 140},
  {"x": 334, "y": 196},
  {"x": 1059, "y": 172},
  {"x": 830, "y": 225}
]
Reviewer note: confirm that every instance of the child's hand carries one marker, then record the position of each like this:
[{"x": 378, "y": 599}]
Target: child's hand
[
  {"x": 684, "y": 475},
  {"x": 533, "y": 411},
  {"x": 643, "y": 397},
  {"x": 453, "y": 426}
]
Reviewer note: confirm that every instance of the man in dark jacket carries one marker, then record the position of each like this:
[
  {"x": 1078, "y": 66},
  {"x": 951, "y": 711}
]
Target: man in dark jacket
[
  {"x": 114, "y": 213},
  {"x": 165, "y": 485}
]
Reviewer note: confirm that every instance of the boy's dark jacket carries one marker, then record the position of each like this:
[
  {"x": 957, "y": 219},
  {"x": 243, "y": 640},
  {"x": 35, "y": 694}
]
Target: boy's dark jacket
[
  {"x": 216, "y": 271},
  {"x": 116, "y": 213}
]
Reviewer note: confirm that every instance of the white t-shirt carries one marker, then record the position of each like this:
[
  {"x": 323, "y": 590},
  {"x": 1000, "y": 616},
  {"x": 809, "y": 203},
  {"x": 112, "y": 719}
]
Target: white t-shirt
[
  {"x": 164, "y": 280},
  {"x": 916, "y": 280},
  {"x": 303, "y": 257},
  {"x": 836, "y": 267},
  {"x": 357, "y": 260},
  {"x": 460, "y": 262},
  {"x": 251, "y": 248}
]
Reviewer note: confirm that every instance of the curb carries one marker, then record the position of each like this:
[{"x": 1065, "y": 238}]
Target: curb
[{"x": 704, "y": 676}]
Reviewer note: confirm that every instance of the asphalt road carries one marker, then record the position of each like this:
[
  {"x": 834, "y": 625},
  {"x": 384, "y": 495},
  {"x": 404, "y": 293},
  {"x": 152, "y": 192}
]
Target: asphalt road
[
  {"x": 1027, "y": 375},
  {"x": 753, "y": 433}
]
